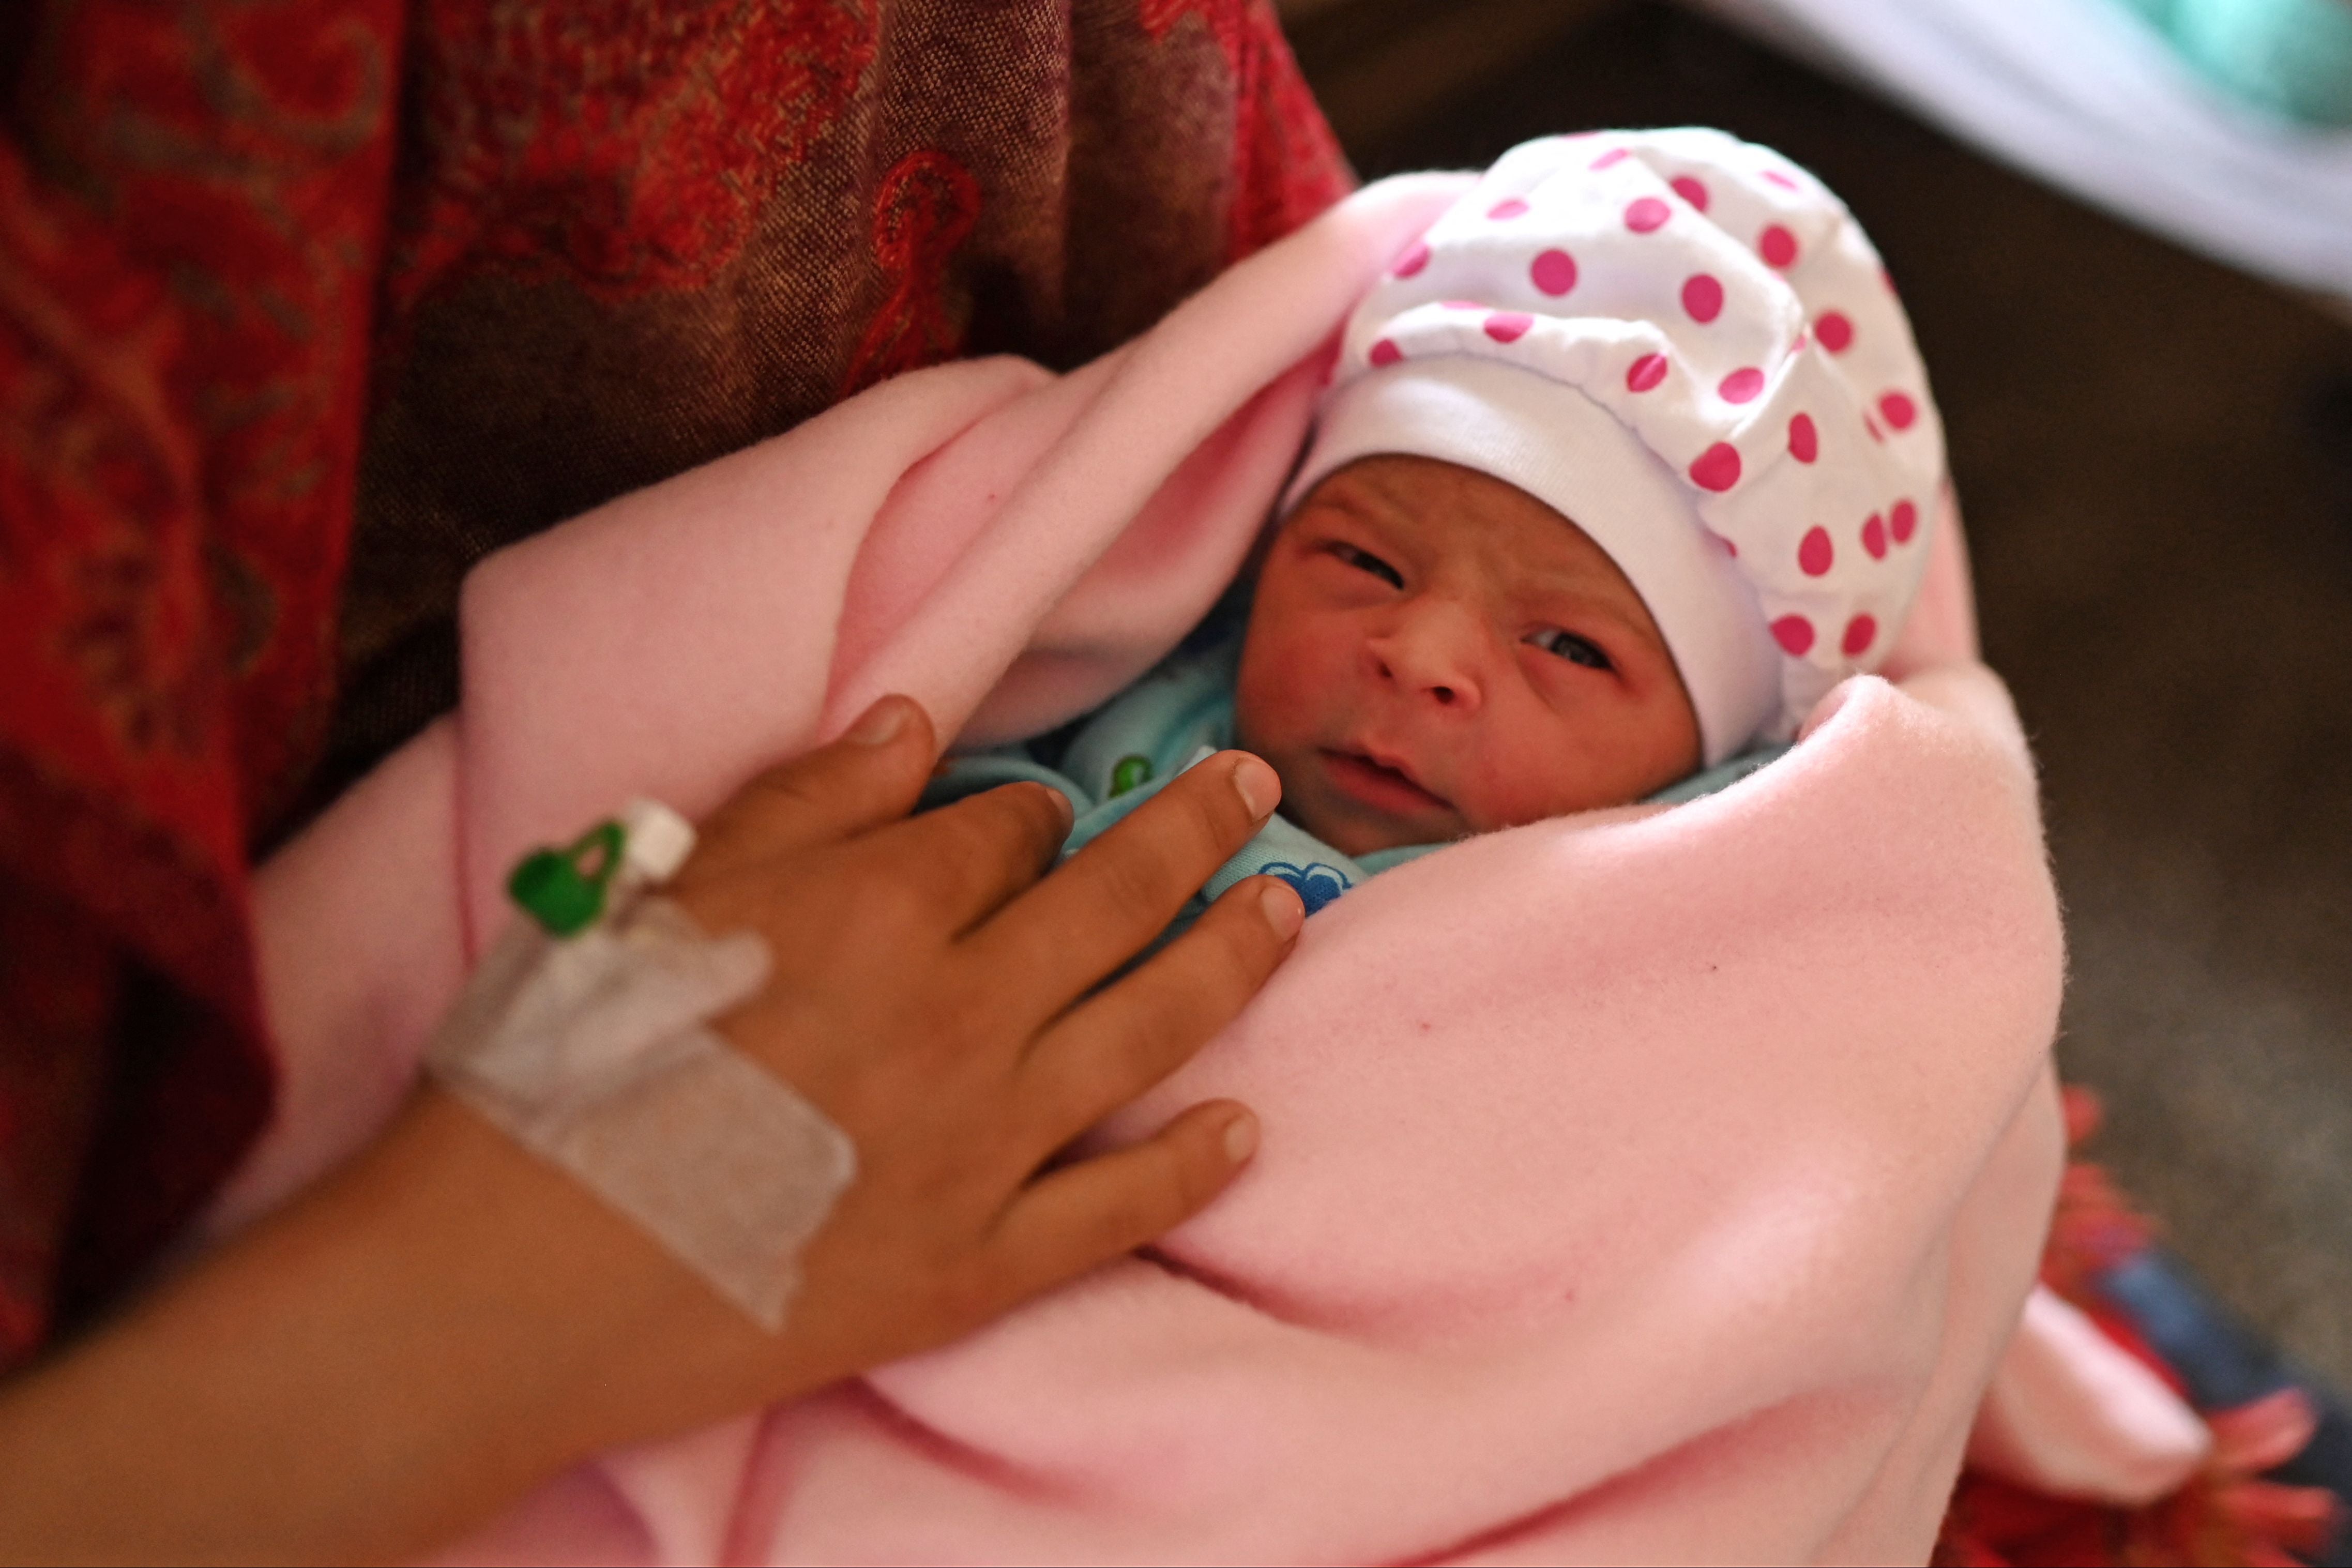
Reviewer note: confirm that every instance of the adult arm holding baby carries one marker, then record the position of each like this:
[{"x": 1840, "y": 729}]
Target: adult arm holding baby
[{"x": 497, "y": 1322}]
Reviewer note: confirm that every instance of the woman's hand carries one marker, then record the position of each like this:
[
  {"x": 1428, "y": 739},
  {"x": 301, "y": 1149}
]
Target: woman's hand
[
  {"x": 930, "y": 995},
  {"x": 448, "y": 1320}
]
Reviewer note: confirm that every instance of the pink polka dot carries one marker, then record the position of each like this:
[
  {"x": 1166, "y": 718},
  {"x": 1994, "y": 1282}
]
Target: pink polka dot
[
  {"x": 1645, "y": 372},
  {"x": 1774, "y": 176},
  {"x": 1777, "y": 246},
  {"x": 1873, "y": 537},
  {"x": 1814, "y": 552},
  {"x": 1835, "y": 331},
  {"x": 1415, "y": 257},
  {"x": 1795, "y": 635},
  {"x": 1871, "y": 426},
  {"x": 1690, "y": 189},
  {"x": 1647, "y": 214},
  {"x": 1742, "y": 385},
  {"x": 1554, "y": 272},
  {"x": 1860, "y": 633},
  {"x": 1899, "y": 410},
  {"x": 1702, "y": 297},
  {"x": 1385, "y": 353},
  {"x": 1507, "y": 208},
  {"x": 1804, "y": 441},
  {"x": 1717, "y": 468},
  {"x": 1611, "y": 158},
  {"x": 1509, "y": 326},
  {"x": 1887, "y": 278},
  {"x": 1906, "y": 522}
]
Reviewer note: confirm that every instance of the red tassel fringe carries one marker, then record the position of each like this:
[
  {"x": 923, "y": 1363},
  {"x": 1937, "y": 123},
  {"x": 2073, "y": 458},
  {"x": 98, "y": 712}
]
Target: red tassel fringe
[{"x": 2225, "y": 1515}]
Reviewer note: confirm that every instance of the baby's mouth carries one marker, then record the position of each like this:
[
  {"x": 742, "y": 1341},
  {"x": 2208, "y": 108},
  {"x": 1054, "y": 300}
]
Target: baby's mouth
[{"x": 1384, "y": 786}]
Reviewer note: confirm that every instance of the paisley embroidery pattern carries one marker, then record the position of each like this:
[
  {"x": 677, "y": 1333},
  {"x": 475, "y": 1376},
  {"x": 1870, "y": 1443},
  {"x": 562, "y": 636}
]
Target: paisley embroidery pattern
[
  {"x": 928, "y": 205},
  {"x": 191, "y": 207},
  {"x": 1285, "y": 160},
  {"x": 628, "y": 146}
]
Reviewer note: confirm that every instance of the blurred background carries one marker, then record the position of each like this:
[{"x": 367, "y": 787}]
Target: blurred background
[{"x": 2128, "y": 252}]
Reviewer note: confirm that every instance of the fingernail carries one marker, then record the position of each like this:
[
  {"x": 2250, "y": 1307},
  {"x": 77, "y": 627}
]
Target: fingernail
[
  {"x": 1241, "y": 1137},
  {"x": 879, "y": 724},
  {"x": 1261, "y": 790},
  {"x": 1061, "y": 804},
  {"x": 1284, "y": 911}
]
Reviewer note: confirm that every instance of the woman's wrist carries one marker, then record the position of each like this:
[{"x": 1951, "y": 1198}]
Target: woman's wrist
[
  {"x": 420, "y": 1340},
  {"x": 449, "y": 1321}
]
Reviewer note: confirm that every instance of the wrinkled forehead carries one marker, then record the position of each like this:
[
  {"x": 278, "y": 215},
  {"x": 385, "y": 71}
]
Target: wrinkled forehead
[{"x": 1471, "y": 521}]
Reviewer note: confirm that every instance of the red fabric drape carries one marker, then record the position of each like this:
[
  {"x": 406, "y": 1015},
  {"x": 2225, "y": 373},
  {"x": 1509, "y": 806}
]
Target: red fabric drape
[
  {"x": 306, "y": 303},
  {"x": 2224, "y": 1516}
]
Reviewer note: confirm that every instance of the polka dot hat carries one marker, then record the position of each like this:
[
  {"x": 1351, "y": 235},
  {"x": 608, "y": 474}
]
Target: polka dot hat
[{"x": 1683, "y": 343}]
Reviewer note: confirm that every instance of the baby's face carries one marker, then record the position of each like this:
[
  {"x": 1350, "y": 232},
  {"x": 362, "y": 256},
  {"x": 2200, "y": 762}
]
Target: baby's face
[{"x": 1433, "y": 653}]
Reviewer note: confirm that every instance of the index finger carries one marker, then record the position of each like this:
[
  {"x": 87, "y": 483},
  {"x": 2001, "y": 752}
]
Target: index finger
[
  {"x": 1116, "y": 895},
  {"x": 869, "y": 775}
]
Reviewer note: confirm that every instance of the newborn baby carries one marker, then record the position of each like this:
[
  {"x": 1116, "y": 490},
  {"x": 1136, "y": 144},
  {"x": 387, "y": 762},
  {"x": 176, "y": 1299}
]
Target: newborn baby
[
  {"x": 1520, "y": 571},
  {"x": 1432, "y": 653}
]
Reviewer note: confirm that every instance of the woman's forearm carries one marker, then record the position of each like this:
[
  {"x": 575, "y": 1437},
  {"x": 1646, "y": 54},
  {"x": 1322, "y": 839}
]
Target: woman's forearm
[
  {"x": 361, "y": 1377},
  {"x": 447, "y": 1322}
]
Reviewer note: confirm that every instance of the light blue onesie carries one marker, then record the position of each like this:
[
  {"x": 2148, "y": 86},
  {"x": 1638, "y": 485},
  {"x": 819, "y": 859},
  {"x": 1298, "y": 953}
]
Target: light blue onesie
[{"x": 1129, "y": 749}]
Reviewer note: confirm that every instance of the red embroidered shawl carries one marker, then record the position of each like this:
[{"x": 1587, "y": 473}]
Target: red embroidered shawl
[{"x": 306, "y": 303}]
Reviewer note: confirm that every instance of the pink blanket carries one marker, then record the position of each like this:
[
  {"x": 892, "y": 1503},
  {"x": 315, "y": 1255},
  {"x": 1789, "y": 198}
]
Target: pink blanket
[{"x": 1657, "y": 1184}]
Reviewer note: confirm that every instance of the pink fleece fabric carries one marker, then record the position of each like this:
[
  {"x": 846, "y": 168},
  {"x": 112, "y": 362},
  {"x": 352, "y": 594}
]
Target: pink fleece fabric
[{"x": 1650, "y": 1185}]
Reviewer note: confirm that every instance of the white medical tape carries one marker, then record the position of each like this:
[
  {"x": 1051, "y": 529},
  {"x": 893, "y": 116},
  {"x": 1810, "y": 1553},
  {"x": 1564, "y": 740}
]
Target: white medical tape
[{"x": 594, "y": 1051}]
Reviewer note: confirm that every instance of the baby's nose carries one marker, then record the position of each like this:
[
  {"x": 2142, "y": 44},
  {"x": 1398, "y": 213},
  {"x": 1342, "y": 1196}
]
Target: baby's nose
[{"x": 1433, "y": 655}]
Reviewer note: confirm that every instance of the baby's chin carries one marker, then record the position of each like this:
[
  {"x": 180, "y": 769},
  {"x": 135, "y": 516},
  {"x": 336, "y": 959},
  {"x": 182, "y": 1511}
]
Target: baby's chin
[{"x": 1355, "y": 839}]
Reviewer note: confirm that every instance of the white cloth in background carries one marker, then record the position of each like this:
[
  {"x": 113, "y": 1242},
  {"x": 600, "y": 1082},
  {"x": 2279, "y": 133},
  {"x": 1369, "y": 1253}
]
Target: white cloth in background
[{"x": 2084, "y": 95}]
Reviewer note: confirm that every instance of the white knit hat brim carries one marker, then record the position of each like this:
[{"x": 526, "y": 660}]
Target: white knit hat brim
[{"x": 1555, "y": 444}]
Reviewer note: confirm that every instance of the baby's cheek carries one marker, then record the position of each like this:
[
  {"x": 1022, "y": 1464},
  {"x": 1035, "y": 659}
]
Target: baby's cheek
[
  {"x": 1279, "y": 699},
  {"x": 1256, "y": 725},
  {"x": 1485, "y": 781},
  {"x": 1515, "y": 779}
]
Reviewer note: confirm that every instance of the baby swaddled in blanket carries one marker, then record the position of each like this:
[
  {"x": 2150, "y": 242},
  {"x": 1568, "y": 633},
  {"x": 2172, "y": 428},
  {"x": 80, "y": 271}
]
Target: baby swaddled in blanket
[
  {"x": 1652, "y": 1168},
  {"x": 1499, "y": 590}
]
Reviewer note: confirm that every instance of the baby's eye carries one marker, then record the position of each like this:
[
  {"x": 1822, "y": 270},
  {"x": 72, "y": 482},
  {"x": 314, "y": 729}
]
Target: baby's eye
[
  {"x": 1576, "y": 650},
  {"x": 1364, "y": 560}
]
